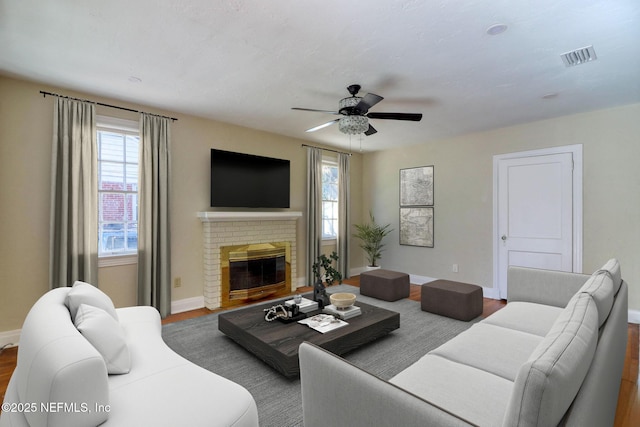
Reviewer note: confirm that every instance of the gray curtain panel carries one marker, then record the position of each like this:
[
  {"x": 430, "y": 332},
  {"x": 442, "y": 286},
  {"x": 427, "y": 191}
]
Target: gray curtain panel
[
  {"x": 344, "y": 217},
  {"x": 154, "y": 254},
  {"x": 314, "y": 209},
  {"x": 73, "y": 239}
]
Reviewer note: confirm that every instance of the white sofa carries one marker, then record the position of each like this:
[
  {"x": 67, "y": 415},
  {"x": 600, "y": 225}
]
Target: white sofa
[
  {"x": 62, "y": 379},
  {"x": 552, "y": 356}
]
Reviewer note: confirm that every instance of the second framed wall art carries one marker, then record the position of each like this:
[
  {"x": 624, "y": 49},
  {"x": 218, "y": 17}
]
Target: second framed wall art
[{"x": 416, "y": 226}]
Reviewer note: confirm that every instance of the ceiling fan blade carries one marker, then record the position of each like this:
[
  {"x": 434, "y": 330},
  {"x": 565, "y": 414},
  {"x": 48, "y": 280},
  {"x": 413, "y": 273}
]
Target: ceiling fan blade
[
  {"x": 413, "y": 117},
  {"x": 371, "y": 130},
  {"x": 316, "y": 111},
  {"x": 367, "y": 102},
  {"x": 324, "y": 125}
]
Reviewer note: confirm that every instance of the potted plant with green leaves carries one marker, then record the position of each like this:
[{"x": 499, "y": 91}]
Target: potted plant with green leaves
[
  {"x": 323, "y": 270},
  {"x": 371, "y": 235}
]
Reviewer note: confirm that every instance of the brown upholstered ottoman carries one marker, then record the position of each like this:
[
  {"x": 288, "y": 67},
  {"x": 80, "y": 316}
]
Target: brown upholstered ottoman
[
  {"x": 457, "y": 300},
  {"x": 384, "y": 284}
]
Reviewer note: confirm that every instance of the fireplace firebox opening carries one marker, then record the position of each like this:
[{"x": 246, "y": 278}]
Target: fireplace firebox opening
[{"x": 254, "y": 271}]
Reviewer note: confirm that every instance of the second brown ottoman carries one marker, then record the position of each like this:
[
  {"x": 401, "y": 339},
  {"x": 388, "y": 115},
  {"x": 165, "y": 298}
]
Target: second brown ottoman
[
  {"x": 457, "y": 300},
  {"x": 386, "y": 285}
]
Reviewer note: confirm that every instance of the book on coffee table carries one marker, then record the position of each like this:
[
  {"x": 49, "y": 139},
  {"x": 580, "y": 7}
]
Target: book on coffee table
[
  {"x": 323, "y": 323},
  {"x": 343, "y": 314},
  {"x": 306, "y": 305}
]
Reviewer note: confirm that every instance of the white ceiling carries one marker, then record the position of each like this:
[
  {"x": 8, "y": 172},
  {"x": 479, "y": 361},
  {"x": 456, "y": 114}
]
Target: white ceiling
[{"x": 248, "y": 62}]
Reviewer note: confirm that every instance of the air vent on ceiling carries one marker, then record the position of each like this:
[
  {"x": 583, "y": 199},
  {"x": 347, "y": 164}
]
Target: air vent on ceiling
[{"x": 579, "y": 56}]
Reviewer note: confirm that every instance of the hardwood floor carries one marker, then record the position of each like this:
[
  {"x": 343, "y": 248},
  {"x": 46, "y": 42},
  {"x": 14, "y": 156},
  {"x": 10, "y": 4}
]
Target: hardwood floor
[
  {"x": 8, "y": 359},
  {"x": 628, "y": 411}
]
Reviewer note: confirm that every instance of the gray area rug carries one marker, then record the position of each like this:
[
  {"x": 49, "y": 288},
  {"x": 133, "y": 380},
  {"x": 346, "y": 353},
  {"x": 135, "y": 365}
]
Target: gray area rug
[{"x": 278, "y": 399}]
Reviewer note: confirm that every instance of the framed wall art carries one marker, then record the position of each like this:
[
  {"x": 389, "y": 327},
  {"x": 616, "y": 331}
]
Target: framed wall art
[
  {"x": 416, "y": 186},
  {"x": 416, "y": 226}
]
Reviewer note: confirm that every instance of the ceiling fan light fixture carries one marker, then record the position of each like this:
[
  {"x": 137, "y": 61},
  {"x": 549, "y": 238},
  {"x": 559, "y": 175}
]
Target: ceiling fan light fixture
[
  {"x": 353, "y": 125},
  {"x": 355, "y": 114},
  {"x": 346, "y": 105}
]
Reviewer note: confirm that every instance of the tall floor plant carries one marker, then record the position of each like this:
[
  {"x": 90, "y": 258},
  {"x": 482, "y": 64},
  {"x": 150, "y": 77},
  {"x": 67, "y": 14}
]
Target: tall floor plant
[{"x": 371, "y": 235}]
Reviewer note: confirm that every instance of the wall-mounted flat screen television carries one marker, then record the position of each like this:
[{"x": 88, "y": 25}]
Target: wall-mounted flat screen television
[{"x": 247, "y": 181}]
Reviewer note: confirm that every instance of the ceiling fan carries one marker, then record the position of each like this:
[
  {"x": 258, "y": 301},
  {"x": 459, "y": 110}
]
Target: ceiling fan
[{"x": 355, "y": 113}]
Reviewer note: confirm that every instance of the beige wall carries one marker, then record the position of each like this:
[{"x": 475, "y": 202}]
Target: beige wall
[
  {"x": 25, "y": 168},
  {"x": 464, "y": 194},
  {"x": 25, "y": 164}
]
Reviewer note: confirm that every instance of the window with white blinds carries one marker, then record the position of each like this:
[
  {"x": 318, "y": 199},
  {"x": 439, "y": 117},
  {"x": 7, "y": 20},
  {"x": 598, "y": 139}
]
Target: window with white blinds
[
  {"x": 329, "y": 200},
  {"x": 118, "y": 142}
]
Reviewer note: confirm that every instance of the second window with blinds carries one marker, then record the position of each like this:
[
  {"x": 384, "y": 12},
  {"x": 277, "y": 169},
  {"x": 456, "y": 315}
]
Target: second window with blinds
[{"x": 329, "y": 200}]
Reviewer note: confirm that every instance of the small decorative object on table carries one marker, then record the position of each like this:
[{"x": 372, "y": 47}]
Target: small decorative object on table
[
  {"x": 274, "y": 312},
  {"x": 330, "y": 275},
  {"x": 342, "y": 300},
  {"x": 305, "y": 305},
  {"x": 284, "y": 313},
  {"x": 342, "y": 306}
]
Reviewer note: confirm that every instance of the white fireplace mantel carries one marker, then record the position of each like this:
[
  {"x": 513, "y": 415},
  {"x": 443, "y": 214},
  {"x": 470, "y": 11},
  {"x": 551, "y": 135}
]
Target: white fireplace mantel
[{"x": 219, "y": 216}]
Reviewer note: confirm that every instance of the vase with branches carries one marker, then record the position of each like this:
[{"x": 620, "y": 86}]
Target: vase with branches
[
  {"x": 371, "y": 235},
  {"x": 323, "y": 270}
]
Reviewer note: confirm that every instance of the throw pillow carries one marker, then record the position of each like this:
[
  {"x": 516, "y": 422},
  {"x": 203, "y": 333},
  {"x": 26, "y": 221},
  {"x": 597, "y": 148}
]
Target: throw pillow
[
  {"x": 106, "y": 335},
  {"x": 84, "y": 293},
  {"x": 612, "y": 268},
  {"x": 600, "y": 287}
]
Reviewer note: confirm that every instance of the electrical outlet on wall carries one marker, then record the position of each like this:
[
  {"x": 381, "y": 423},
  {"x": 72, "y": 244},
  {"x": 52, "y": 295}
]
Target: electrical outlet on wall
[
  {"x": 454, "y": 268},
  {"x": 177, "y": 282}
]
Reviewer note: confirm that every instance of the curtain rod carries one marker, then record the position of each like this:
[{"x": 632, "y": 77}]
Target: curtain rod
[
  {"x": 44, "y": 94},
  {"x": 327, "y": 149}
]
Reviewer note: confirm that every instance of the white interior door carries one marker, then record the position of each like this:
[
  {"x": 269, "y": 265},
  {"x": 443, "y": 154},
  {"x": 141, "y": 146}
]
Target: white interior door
[{"x": 535, "y": 214}]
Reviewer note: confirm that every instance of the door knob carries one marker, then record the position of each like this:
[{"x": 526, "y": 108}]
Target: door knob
[{"x": 504, "y": 237}]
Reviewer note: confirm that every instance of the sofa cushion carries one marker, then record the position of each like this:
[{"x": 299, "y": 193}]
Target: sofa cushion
[
  {"x": 549, "y": 381},
  {"x": 600, "y": 287},
  {"x": 158, "y": 400},
  {"x": 149, "y": 353},
  {"x": 472, "y": 394},
  {"x": 106, "y": 335},
  {"x": 490, "y": 348},
  {"x": 527, "y": 317},
  {"x": 612, "y": 267},
  {"x": 84, "y": 293}
]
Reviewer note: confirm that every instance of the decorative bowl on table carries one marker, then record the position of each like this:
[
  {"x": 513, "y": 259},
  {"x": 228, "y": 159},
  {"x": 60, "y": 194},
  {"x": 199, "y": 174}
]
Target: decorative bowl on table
[{"x": 342, "y": 300}]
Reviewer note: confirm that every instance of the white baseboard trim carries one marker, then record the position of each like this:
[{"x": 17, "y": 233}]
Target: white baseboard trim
[
  {"x": 356, "y": 271},
  {"x": 10, "y": 337},
  {"x": 633, "y": 316},
  {"x": 492, "y": 293},
  {"x": 414, "y": 279},
  {"x": 187, "y": 304},
  {"x": 301, "y": 282}
]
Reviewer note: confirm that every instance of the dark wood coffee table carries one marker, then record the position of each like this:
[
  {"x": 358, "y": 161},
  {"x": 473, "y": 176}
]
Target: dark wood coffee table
[{"x": 277, "y": 343}]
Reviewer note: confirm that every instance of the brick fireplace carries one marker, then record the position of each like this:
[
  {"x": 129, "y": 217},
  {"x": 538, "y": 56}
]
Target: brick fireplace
[{"x": 225, "y": 229}]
